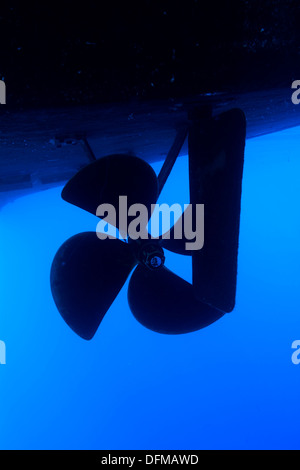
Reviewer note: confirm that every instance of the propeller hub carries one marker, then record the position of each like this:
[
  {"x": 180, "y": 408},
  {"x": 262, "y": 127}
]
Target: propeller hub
[
  {"x": 152, "y": 256},
  {"x": 155, "y": 261}
]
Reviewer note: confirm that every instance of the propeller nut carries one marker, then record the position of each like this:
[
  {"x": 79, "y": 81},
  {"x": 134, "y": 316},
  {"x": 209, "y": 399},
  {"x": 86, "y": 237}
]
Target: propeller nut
[{"x": 152, "y": 256}]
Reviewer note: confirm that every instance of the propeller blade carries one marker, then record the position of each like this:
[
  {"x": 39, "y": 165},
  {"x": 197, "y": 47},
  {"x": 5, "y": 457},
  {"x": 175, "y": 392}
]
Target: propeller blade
[
  {"x": 103, "y": 181},
  {"x": 163, "y": 302},
  {"x": 86, "y": 276},
  {"x": 216, "y": 158}
]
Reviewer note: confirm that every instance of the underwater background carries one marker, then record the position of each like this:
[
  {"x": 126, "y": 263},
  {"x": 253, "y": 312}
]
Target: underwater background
[{"x": 232, "y": 385}]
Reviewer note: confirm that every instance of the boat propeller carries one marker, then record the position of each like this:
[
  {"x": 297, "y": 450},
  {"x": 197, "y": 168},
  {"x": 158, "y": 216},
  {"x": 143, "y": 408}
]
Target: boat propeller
[{"x": 87, "y": 272}]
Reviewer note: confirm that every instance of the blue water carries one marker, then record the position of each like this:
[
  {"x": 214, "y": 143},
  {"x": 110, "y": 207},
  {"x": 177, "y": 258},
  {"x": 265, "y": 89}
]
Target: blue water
[{"x": 230, "y": 386}]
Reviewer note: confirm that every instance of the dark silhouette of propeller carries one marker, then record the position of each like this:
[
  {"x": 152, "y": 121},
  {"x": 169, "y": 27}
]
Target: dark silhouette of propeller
[{"x": 88, "y": 273}]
